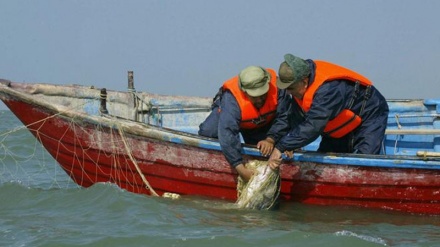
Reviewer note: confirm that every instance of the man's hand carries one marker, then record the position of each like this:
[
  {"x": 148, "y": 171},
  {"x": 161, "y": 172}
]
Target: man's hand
[
  {"x": 266, "y": 146},
  {"x": 244, "y": 172},
  {"x": 289, "y": 153},
  {"x": 275, "y": 159}
]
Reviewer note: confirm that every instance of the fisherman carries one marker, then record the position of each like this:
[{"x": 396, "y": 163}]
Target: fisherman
[
  {"x": 339, "y": 104},
  {"x": 249, "y": 104}
]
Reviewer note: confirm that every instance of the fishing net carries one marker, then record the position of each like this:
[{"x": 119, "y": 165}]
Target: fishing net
[
  {"x": 262, "y": 190},
  {"x": 25, "y": 161}
]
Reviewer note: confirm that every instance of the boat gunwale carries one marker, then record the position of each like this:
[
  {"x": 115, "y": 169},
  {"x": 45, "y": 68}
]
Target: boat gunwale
[{"x": 147, "y": 130}]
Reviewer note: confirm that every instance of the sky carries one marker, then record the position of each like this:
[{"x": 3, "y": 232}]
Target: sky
[{"x": 191, "y": 47}]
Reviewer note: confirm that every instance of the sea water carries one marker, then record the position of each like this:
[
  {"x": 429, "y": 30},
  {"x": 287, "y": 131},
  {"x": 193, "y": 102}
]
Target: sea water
[{"x": 41, "y": 206}]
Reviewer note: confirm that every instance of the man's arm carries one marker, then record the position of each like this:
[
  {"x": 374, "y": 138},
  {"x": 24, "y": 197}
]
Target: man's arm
[{"x": 327, "y": 103}]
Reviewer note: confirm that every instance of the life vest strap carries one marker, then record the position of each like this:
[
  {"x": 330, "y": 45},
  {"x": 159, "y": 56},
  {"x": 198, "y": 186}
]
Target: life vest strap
[
  {"x": 217, "y": 97},
  {"x": 261, "y": 120},
  {"x": 354, "y": 95},
  {"x": 366, "y": 97}
]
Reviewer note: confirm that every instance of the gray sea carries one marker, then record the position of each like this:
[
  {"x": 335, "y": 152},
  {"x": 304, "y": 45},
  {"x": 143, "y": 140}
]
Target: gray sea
[{"x": 41, "y": 206}]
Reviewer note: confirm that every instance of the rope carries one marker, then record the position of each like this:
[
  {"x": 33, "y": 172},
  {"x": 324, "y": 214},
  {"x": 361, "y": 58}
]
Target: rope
[{"x": 147, "y": 184}]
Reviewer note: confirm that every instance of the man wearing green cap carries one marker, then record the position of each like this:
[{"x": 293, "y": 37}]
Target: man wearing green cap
[
  {"x": 249, "y": 104},
  {"x": 338, "y": 104}
]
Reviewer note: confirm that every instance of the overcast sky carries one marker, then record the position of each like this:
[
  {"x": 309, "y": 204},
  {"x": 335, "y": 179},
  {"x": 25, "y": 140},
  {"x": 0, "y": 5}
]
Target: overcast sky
[{"x": 190, "y": 47}]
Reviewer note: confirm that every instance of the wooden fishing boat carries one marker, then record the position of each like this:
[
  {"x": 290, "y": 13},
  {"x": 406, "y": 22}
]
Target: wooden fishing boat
[{"x": 147, "y": 143}]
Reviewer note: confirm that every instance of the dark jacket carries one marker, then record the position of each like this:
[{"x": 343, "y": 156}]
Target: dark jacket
[
  {"x": 224, "y": 125},
  {"x": 329, "y": 100}
]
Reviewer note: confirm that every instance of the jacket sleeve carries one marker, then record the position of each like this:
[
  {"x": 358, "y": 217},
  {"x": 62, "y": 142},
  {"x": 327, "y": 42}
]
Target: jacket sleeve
[
  {"x": 280, "y": 125},
  {"x": 229, "y": 129},
  {"x": 328, "y": 101}
]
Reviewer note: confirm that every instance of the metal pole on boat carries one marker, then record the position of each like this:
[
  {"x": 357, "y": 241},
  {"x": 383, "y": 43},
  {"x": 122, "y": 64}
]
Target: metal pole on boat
[
  {"x": 130, "y": 81},
  {"x": 103, "y": 108},
  {"x": 133, "y": 104}
]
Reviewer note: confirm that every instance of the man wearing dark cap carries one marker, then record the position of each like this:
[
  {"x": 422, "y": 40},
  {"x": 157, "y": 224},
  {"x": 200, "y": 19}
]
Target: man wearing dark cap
[
  {"x": 338, "y": 104},
  {"x": 249, "y": 104}
]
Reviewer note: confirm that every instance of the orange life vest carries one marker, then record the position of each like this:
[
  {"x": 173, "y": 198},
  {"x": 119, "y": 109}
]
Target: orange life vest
[
  {"x": 346, "y": 121},
  {"x": 252, "y": 117}
]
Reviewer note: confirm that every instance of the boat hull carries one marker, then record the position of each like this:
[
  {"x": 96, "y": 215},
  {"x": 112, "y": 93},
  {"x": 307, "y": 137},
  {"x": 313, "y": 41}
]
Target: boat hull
[{"x": 92, "y": 151}]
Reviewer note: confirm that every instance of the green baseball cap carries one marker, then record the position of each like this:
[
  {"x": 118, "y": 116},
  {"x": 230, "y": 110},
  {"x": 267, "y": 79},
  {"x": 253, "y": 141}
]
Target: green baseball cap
[
  {"x": 254, "y": 80},
  {"x": 296, "y": 70}
]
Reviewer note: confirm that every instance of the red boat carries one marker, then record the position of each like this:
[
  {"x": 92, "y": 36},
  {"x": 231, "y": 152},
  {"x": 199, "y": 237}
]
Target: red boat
[{"x": 147, "y": 144}]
